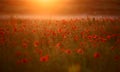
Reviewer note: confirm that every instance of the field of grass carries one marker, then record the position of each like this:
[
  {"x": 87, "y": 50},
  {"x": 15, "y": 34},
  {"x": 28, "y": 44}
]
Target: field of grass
[{"x": 65, "y": 45}]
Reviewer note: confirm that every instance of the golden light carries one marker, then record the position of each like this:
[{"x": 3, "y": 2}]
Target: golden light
[
  {"x": 44, "y": 6},
  {"x": 47, "y": 6},
  {"x": 46, "y": 3}
]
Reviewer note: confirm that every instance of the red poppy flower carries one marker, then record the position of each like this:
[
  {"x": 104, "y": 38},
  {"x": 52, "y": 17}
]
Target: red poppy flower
[
  {"x": 44, "y": 58},
  {"x": 54, "y": 33},
  {"x": 82, "y": 43},
  {"x": 60, "y": 31},
  {"x": 108, "y": 36},
  {"x": 76, "y": 37},
  {"x": 2, "y": 33},
  {"x": 58, "y": 45},
  {"x": 79, "y": 51},
  {"x": 103, "y": 39},
  {"x": 64, "y": 36},
  {"x": 89, "y": 37},
  {"x": 94, "y": 36},
  {"x": 33, "y": 31},
  {"x": 96, "y": 55},
  {"x": 15, "y": 29},
  {"x": 36, "y": 43},
  {"x": 24, "y": 60},
  {"x": 74, "y": 27},
  {"x": 68, "y": 51},
  {"x": 24, "y": 44}
]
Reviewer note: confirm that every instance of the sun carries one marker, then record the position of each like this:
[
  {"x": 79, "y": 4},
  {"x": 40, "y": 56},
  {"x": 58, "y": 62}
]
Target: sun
[
  {"x": 47, "y": 1},
  {"x": 47, "y": 6}
]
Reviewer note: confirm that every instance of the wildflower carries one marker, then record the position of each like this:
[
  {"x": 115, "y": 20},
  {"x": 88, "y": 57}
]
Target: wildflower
[
  {"x": 24, "y": 60},
  {"x": 64, "y": 36},
  {"x": 95, "y": 36},
  {"x": 60, "y": 31},
  {"x": 15, "y": 29},
  {"x": 58, "y": 45},
  {"x": 79, "y": 51},
  {"x": 36, "y": 43},
  {"x": 74, "y": 27},
  {"x": 24, "y": 44},
  {"x": 103, "y": 39},
  {"x": 96, "y": 55},
  {"x": 44, "y": 58},
  {"x": 33, "y": 31},
  {"x": 89, "y": 37},
  {"x": 108, "y": 36},
  {"x": 76, "y": 37},
  {"x": 2, "y": 33},
  {"x": 68, "y": 51}
]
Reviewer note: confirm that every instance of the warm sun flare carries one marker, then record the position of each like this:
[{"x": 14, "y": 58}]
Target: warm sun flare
[
  {"x": 46, "y": 2},
  {"x": 48, "y": 6}
]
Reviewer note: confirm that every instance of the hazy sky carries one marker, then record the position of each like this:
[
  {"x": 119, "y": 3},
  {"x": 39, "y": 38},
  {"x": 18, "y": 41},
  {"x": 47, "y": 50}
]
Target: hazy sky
[{"x": 62, "y": 7}]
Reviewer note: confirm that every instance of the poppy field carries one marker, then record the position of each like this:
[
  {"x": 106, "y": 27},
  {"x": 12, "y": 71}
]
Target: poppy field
[{"x": 64, "y": 45}]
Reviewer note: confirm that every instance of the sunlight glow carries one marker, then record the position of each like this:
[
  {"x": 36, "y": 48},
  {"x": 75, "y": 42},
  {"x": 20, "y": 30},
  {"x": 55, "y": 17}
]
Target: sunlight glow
[
  {"x": 46, "y": 3},
  {"x": 47, "y": 6}
]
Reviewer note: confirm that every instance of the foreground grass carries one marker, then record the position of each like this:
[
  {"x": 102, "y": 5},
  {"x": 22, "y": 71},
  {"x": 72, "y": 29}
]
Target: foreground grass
[{"x": 74, "y": 45}]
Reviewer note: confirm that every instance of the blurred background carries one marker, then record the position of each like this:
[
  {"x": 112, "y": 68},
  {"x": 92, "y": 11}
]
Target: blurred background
[
  {"x": 60, "y": 7},
  {"x": 56, "y": 44}
]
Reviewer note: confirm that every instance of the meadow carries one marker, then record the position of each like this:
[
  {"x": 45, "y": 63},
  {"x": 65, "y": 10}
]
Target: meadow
[{"x": 64, "y": 45}]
